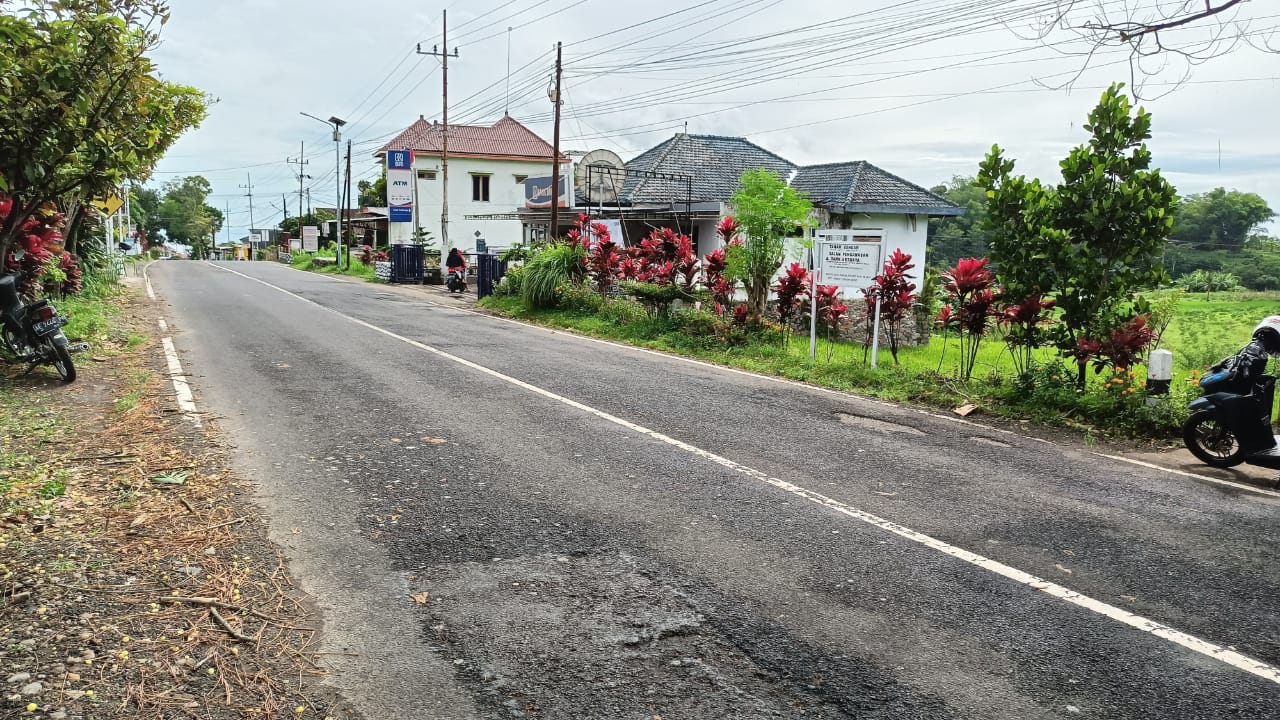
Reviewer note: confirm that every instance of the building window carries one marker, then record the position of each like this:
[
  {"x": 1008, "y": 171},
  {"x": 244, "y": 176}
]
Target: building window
[
  {"x": 480, "y": 188},
  {"x": 521, "y": 178},
  {"x": 426, "y": 174}
]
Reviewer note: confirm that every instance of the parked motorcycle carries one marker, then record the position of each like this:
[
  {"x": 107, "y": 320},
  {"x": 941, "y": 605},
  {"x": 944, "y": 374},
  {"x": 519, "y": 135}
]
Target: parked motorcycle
[
  {"x": 1231, "y": 422},
  {"x": 457, "y": 281},
  {"x": 32, "y": 332}
]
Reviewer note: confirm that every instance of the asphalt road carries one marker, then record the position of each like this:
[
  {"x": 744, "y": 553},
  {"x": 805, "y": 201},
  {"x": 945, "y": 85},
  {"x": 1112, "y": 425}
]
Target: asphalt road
[{"x": 600, "y": 532}]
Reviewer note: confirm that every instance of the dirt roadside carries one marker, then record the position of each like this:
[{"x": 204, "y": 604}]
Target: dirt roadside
[{"x": 135, "y": 577}]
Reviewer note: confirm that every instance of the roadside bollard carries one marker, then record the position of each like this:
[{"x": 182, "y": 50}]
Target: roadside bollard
[{"x": 1159, "y": 372}]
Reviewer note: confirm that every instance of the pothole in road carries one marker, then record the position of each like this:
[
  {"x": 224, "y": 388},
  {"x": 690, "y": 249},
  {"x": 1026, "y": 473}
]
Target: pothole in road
[
  {"x": 594, "y": 637},
  {"x": 989, "y": 441},
  {"x": 874, "y": 424}
]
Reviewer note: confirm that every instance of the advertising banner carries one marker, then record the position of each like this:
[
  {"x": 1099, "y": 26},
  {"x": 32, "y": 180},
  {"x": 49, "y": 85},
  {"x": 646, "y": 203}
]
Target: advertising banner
[
  {"x": 537, "y": 192},
  {"x": 400, "y": 185}
]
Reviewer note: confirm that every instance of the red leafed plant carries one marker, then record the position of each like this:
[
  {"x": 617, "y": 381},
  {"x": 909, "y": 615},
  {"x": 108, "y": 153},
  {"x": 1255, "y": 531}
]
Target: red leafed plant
[
  {"x": 897, "y": 295},
  {"x": 381, "y": 256},
  {"x": 832, "y": 312},
  {"x": 604, "y": 259},
  {"x": 792, "y": 289},
  {"x": 713, "y": 277},
  {"x": 1125, "y": 346},
  {"x": 366, "y": 255},
  {"x": 38, "y": 249},
  {"x": 972, "y": 295},
  {"x": 1025, "y": 321}
]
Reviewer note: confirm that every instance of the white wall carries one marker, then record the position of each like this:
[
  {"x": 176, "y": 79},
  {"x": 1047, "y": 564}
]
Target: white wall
[
  {"x": 898, "y": 235},
  {"x": 506, "y": 196}
]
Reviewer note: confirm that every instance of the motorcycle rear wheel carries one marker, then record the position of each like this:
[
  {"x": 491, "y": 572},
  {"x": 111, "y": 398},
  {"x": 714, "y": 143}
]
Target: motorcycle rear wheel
[
  {"x": 1210, "y": 442},
  {"x": 61, "y": 362}
]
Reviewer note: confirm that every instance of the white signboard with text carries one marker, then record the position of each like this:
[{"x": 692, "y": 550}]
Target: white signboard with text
[
  {"x": 849, "y": 259},
  {"x": 310, "y": 238}
]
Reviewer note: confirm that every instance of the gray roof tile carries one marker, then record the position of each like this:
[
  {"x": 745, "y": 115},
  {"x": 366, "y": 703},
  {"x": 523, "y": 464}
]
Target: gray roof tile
[
  {"x": 714, "y": 162},
  {"x": 861, "y": 186}
]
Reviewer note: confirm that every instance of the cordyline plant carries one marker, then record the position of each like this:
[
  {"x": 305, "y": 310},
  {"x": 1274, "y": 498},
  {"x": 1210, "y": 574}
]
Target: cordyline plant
[
  {"x": 1025, "y": 322},
  {"x": 715, "y": 276},
  {"x": 38, "y": 255},
  {"x": 792, "y": 291},
  {"x": 604, "y": 257},
  {"x": 1123, "y": 348},
  {"x": 897, "y": 296},
  {"x": 832, "y": 312},
  {"x": 972, "y": 295}
]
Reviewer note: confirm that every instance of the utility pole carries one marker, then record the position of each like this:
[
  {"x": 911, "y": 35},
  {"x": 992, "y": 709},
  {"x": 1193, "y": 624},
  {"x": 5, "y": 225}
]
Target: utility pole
[
  {"x": 348, "y": 186},
  {"x": 226, "y": 220},
  {"x": 249, "y": 195},
  {"x": 444, "y": 132},
  {"x": 301, "y": 162},
  {"x": 555, "y": 156}
]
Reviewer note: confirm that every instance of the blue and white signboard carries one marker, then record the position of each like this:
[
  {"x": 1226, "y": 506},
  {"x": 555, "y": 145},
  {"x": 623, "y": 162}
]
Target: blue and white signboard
[
  {"x": 537, "y": 192},
  {"x": 400, "y": 185}
]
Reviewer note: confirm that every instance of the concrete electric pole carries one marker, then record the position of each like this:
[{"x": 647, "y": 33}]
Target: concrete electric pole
[{"x": 442, "y": 52}]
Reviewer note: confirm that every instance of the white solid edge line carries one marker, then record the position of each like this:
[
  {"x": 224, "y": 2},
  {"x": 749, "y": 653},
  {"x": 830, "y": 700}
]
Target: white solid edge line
[
  {"x": 164, "y": 326},
  {"x": 1195, "y": 644},
  {"x": 854, "y": 396},
  {"x": 1197, "y": 476},
  {"x": 146, "y": 277},
  {"x": 181, "y": 388}
]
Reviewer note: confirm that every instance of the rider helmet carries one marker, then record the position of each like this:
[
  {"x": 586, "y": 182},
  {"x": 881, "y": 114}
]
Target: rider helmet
[{"x": 1267, "y": 334}]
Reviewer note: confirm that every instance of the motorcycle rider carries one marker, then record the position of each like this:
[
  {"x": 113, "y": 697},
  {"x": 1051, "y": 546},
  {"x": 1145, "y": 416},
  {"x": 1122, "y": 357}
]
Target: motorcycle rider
[
  {"x": 1242, "y": 370},
  {"x": 456, "y": 263}
]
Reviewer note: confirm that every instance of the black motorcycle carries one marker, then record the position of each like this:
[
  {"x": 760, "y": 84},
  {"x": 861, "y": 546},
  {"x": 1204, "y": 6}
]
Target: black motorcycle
[
  {"x": 1231, "y": 423},
  {"x": 457, "y": 280},
  {"x": 32, "y": 332}
]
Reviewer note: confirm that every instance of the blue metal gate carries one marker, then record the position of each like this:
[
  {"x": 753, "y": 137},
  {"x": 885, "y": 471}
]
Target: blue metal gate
[
  {"x": 489, "y": 272},
  {"x": 406, "y": 264}
]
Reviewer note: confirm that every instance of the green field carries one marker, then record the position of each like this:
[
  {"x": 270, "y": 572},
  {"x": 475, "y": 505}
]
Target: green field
[{"x": 1208, "y": 328}]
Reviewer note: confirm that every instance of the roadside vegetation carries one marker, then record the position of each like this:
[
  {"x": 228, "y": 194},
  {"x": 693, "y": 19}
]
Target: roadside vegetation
[
  {"x": 325, "y": 262},
  {"x": 134, "y": 579},
  {"x": 1051, "y": 322}
]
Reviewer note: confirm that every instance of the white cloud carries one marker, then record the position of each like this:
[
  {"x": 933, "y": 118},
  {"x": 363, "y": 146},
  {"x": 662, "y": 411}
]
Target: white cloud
[{"x": 269, "y": 61}]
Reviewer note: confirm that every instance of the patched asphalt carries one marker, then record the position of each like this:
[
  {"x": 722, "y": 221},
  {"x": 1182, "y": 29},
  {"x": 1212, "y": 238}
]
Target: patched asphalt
[{"x": 558, "y": 550}]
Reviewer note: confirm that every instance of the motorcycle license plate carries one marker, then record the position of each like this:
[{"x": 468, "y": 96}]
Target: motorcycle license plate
[{"x": 44, "y": 327}]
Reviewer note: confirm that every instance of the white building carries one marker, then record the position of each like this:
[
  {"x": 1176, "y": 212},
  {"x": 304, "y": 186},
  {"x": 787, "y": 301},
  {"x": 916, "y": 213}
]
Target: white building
[
  {"x": 487, "y": 170},
  {"x": 871, "y": 204}
]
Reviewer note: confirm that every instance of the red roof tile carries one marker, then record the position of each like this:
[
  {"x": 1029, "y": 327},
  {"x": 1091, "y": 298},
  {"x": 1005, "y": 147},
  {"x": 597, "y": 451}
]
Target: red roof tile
[{"x": 507, "y": 138}]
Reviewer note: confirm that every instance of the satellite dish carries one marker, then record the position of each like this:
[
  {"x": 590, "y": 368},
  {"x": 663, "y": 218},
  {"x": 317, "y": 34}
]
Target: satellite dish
[{"x": 598, "y": 176}]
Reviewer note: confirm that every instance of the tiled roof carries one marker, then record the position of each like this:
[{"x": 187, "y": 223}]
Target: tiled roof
[
  {"x": 862, "y": 187},
  {"x": 506, "y": 138},
  {"x": 714, "y": 162}
]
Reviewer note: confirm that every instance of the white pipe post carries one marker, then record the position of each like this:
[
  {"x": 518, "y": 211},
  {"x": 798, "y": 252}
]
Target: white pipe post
[
  {"x": 875, "y": 337},
  {"x": 814, "y": 254}
]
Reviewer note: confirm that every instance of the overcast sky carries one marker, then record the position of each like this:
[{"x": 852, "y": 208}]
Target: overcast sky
[{"x": 921, "y": 88}]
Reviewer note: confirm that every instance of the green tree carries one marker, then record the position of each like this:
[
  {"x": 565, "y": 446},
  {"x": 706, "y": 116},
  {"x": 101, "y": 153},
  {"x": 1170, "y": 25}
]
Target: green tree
[
  {"x": 290, "y": 225},
  {"x": 1220, "y": 219},
  {"x": 373, "y": 194},
  {"x": 1093, "y": 240},
  {"x": 768, "y": 210},
  {"x": 83, "y": 109},
  {"x": 186, "y": 216},
  {"x": 953, "y": 238},
  {"x": 145, "y": 210}
]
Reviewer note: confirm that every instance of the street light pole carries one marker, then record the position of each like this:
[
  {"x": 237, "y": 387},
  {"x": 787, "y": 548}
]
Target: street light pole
[{"x": 337, "y": 124}]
